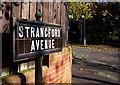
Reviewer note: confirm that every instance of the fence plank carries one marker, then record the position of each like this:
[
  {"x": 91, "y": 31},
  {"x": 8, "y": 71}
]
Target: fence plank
[
  {"x": 16, "y": 8},
  {"x": 45, "y": 12},
  {"x": 63, "y": 22},
  {"x": 50, "y": 12},
  {"x": 55, "y": 12},
  {"x": 64, "y": 29},
  {"x": 0, "y": 20},
  {"x": 6, "y": 37},
  {"x": 58, "y": 8},
  {"x": 66, "y": 23},
  {"x": 32, "y": 10},
  {"x": 40, "y": 7},
  {"x": 25, "y": 10},
  {"x": 6, "y": 18}
]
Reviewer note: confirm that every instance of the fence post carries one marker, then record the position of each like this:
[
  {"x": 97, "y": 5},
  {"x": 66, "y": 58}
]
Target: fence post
[{"x": 38, "y": 70}]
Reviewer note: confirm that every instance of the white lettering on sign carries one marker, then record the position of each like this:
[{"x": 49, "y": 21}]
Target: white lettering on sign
[
  {"x": 32, "y": 46},
  {"x": 41, "y": 45},
  {"x": 53, "y": 43},
  {"x": 37, "y": 44},
  {"x": 49, "y": 44},
  {"x": 32, "y": 32},
  {"x": 37, "y": 35},
  {"x": 27, "y": 28},
  {"x": 49, "y": 31},
  {"x": 21, "y": 31},
  {"x": 58, "y": 32},
  {"x": 46, "y": 44},
  {"x": 41, "y": 32},
  {"x": 53, "y": 33},
  {"x": 46, "y": 32},
  {"x": 37, "y": 32}
]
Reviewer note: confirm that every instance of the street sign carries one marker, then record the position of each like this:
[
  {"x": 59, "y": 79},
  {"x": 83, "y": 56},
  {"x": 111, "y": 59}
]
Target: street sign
[{"x": 31, "y": 38}]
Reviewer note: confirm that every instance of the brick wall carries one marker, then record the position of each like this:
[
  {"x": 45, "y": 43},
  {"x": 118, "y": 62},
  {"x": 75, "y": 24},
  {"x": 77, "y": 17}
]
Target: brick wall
[{"x": 59, "y": 70}]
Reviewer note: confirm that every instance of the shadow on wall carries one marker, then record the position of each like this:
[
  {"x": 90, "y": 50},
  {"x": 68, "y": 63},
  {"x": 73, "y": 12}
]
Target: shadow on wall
[{"x": 6, "y": 35}]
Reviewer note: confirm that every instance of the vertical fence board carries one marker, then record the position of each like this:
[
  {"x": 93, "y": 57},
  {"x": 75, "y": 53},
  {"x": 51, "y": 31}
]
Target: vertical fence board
[
  {"x": 50, "y": 12},
  {"x": 55, "y": 12},
  {"x": 64, "y": 29},
  {"x": 1, "y": 20},
  {"x": 63, "y": 22},
  {"x": 42, "y": 10},
  {"x": 32, "y": 10},
  {"x": 16, "y": 10},
  {"x": 25, "y": 10},
  {"x": 40, "y": 7},
  {"x": 6, "y": 18},
  {"x": 45, "y": 12},
  {"x": 25, "y": 15},
  {"x": 66, "y": 23},
  {"x": 58, "y": 14},
  {"x": 6, "y": 37}
]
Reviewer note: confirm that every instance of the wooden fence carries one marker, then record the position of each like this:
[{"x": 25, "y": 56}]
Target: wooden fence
[{"x": 52, "y": 12}]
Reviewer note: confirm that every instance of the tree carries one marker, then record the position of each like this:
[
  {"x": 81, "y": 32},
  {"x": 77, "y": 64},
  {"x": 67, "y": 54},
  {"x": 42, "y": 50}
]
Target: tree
[
  {"x": 104, "y": 16},
  {"x": 80, "y": 9}
]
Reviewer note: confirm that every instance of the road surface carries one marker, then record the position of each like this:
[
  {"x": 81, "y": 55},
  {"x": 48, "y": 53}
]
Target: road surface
[{"x": 101, "y": 66}]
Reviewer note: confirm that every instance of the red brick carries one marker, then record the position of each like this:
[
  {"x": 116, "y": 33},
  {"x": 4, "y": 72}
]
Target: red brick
[
  {"x": 61, "y": 77},
  {"x": 59, "y": 68}
]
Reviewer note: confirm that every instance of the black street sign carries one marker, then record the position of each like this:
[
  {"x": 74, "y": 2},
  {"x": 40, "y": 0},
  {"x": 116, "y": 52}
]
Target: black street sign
[{"x": 31, "y": 38}]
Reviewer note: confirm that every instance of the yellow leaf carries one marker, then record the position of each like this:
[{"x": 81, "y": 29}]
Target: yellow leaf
[
  {"x": 110, "y": 14},
  {"x": 81, "y": 69},
  {"x": 111, "y": 67},
  {"x": 102, "y": 63},
  {"x": 98, "y": 49}
]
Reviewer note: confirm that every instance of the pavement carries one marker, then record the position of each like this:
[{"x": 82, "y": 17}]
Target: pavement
[
  {"x": 101, "y": 66},
  {"x": 104, "y": 55}
]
